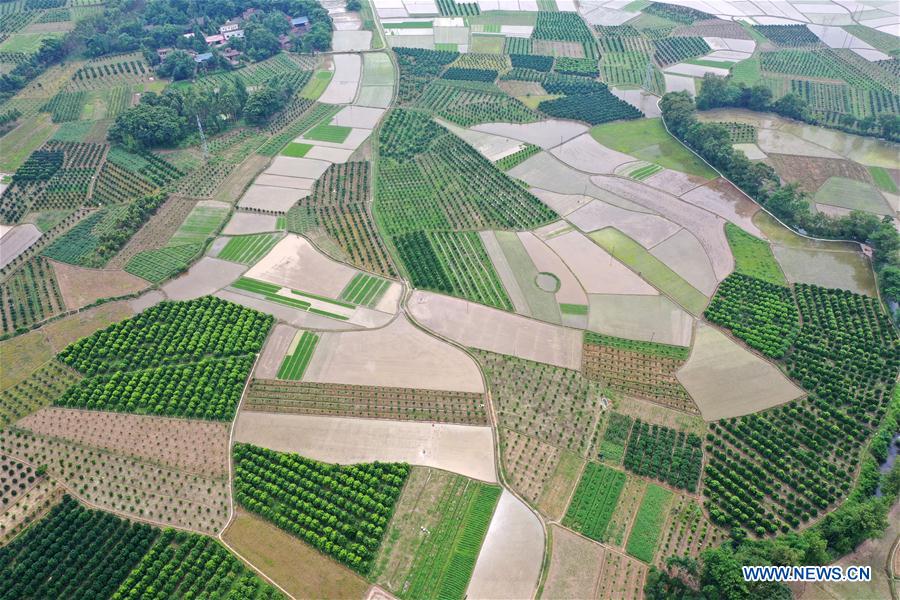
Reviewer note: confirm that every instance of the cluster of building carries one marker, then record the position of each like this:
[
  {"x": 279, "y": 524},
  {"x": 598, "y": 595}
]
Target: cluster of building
[{"x": 232, "y": 29}]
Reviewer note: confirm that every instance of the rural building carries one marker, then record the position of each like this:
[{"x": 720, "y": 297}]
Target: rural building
[{"x": 215, "y": 40}]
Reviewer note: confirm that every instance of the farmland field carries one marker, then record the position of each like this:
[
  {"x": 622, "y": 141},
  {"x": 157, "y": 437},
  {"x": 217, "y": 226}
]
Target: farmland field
[
  {"x": 595, "y": 500},
  {"x": 248, "y": 249},
  {"x": 644, "y": 536}
]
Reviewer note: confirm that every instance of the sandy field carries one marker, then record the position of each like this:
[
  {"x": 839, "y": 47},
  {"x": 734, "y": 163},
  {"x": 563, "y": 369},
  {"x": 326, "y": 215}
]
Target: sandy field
[
  {"x": 462, "y": 449},
  {"x": 546, "y": 134},
  {"x": 358, "y": 116},
  {"x": 646, "y": 229},
  {"x": 354, "y": 140},
  {"x": 335, "y": 155},
  {"x": 648, "y": 318},
  {"x": 284, "y": 181},
  {"x": 707, "y": 227},
  {"x": 586, "y": 154},
  {"x": 280, "y": 339},
  {"x": 722, "y": 198},
  {"x": 206, "y": 276},
  {"x": 295, "y": 263},
  {"x": 290, "y": 166},
  {"x": 292, "y": 316},
  {"x": 81, "y": 286},
  {"x": 727, "y": 380},
  {"x": 186, "y": 444},
  {"x": 17, "y": 240},
  {"x": 505, "y": 272},
  {"x": 478, "y": 326},
  {"x": 398, "y": 355},
  {"x": 575, "y": 566},
  {"x": 684, "y": 255},
  {"x": 347, "y": 71},
  {"x": 243, "y": 223},
  {"x": 271, "y": 198},
  {"x": 509, "y": 563},
  {"x": 547, "y": 261},
  {"x": 146, "y": 300},
  {"x": 596, "y": 269}
]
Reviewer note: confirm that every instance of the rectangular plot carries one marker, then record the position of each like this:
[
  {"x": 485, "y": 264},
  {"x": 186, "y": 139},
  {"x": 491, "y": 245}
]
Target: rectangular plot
[
  {"x": 247, "y": 249},
  {"x": 652, "y": 513},
  {"x": 294, "y": 364},
  {"x": 595, "y": 500}
]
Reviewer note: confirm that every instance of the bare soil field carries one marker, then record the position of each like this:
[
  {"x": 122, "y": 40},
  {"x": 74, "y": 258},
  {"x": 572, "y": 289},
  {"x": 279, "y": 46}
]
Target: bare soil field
[
  {"x": 547, "y": 261},
  {"x": 274, "y": 199},
  {"x": 708, "y": 228},
  {"x": 575, "y": 566},
  {"x": 273, "y": 352},
  {"x": 546, "y": 134},
  {"x": 478, "y": 326},
  {"x": 509, "y": 563},
  {"x": 587, "y": 154},
  {"x": 810, "y": 172},
  {"x": 720, "y": 197},
  {"x": 33, "y": 504},
  {"x": 156, "y": 232},
  {"x": 646, "y": 229},
  {"x": 563, "y": 204},
  {"x": 674, "y": 182},
  {"x": 727, "y": 380},
  {"x": 146, "y": 300},
  {"x": 243, "y": 223},
  {"x": 646, "y": 318},
  {"x": 295, "y": 263},
  {"x": 398, "y": 355},
  {"x": 17, "y": 240},
  {"x": 206, "y": 276},
  {"x": 343, "y": 86},
  {"x": 294, "y": 565},
  {"x": 188, "y": 445},
  {"x": 684, "y": 255},
  {"x": 596, "y": 269},
  {"x": 81, "y": 286},
  {"x": 124, "y": 484},
  {"x": 62, "y": 332},
  {"x": 461, "y": 449},
  {"x": 365, "y": 401}
]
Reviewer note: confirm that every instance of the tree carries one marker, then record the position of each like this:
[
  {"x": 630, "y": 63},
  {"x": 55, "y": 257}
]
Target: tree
[
  {"x": 318, "y": 39},
  {"x": 260, "y": 42},
  {"x": 178, "y": 65},
  {"x": 354, "y": 5},
  {"x": 147, "y": 126},
  {"x": 792, "y": 106}
]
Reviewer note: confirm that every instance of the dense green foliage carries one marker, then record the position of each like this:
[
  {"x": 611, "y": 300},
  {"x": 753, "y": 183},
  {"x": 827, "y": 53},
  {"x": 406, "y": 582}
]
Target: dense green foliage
[
  {"x": 753, "y": 256},
  {"x": 677, "y": 49},
  {"x": 651, "y": 348},
  {"x": 340, "y": 510},
  {"x": 565, "y": 26},
  {"x": 72, "y": 553},
  {"x": 677, "y": 13},
  {"x": 648, "y": 523},
  {"x": 418, "y": 67},
  {"x": 664, "y": 454},
  {"x": 469, "y": 74},
  {"x": 187, "y": 565},
  {"x": 536, "y": 62},
  {"x": 595, "y": 500},
  {"x": 760, "y": 313},
  {"x": 788, "y": 35},
  {"x": 615, "y": 437},
  {"x": 584, "y": 100}
]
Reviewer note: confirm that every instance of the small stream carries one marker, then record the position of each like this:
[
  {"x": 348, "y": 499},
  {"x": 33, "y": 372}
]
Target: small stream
[{"x": 888, "y": 463}]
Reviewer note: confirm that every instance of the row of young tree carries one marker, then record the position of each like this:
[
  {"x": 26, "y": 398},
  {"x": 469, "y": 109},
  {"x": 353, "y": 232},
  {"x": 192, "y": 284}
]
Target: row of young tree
[
  {"x": 712, "y": 141},
  {"x": 171, "y": 117}
]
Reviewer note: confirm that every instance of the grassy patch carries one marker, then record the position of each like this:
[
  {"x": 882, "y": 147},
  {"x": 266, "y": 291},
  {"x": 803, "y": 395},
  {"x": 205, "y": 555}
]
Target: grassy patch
[
  {"x": 650, "y": 268},
  {"x": 650, "y": 517},
  {"x": 328, "y": 133},
  {"x": 852, "y": 194},
  {"x": 573, "y": 309},
  {"x": 296, "y": 149},
  {"x": 199, "y": 225},
  {"x": 365, "y": 289},
  {"x": 753, "y": 256},
  {"x": 158, "y": 265},
  {"x": 883, "y": 180},
  {"x": 29, "y": 43},
  {"x": 487, "y": 44},
  {"x": 648, "y": 140},
  {"x": 316, "y": 85},
  {"x": 23, "y": 140}
]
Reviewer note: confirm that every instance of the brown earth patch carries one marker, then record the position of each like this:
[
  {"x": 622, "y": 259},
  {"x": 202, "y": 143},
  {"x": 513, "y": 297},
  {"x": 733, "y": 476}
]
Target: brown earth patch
[
  {"x": 810, "y": 172},
  {"x": 36, "y": 502},
  {"x": 70, "y": 329},
  {"x": 81, "y": 286},
  {"x": 21, "y": 356},
  {"x": 575, "y": 566}
]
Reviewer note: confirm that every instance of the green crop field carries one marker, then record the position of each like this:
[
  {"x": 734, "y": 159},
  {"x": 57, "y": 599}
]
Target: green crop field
[
  {"x": 648, "y": 140},
  {"x": 365, "y": 290},
  {"x": 271, "y": 293},
  {"x": 200, "y": 224},
  {"x": 247, "y": 249},
  {"x": 296, "y": 149},
  {"x": 648, "y": 523},
  {"x": 158, "y": 265},
  {"x": 883, "y": 180},
  {"x": 595, "y": 500},
  {"x": 328, "y": 133},
  {"x": 650, "y": 268},
  {"x": 295, "y": 362},
  {"x": 852, "y": 194},
  {"x": 753, "y": 256},
  {"x": 317, "y": 84}
]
